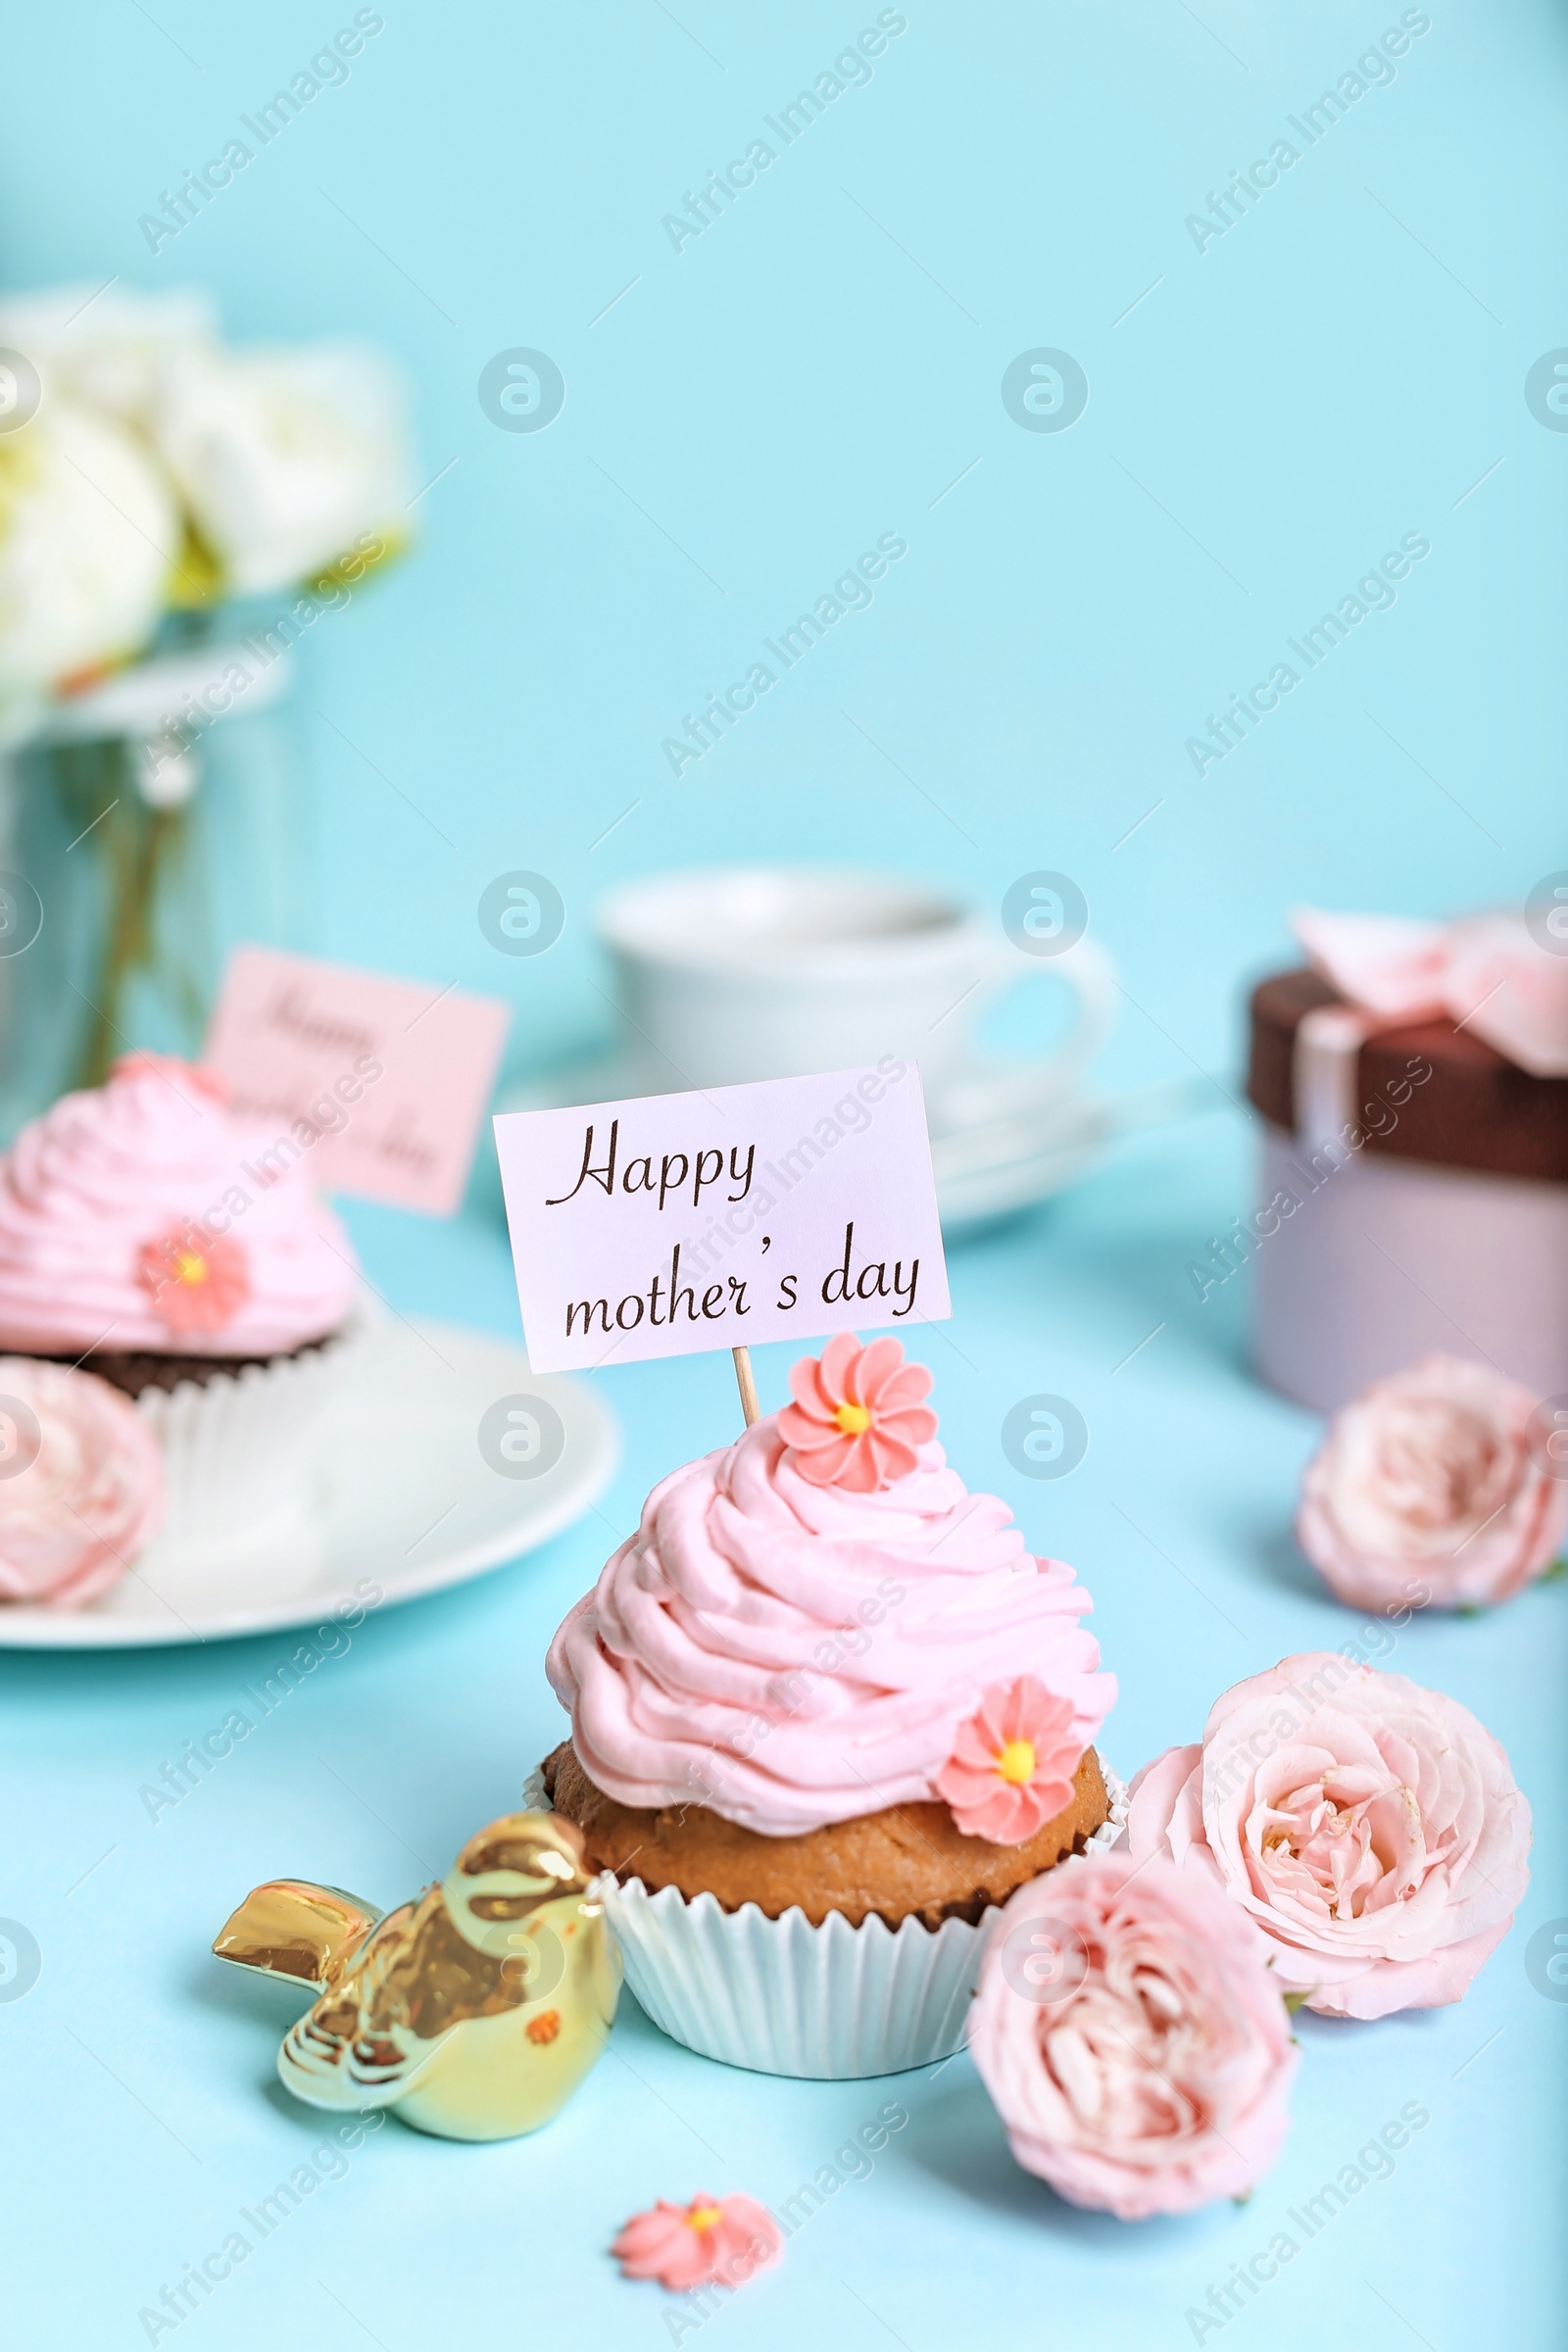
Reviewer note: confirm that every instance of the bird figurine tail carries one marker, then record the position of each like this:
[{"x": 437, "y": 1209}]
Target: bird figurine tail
[{"x": 293, "y": 1927}]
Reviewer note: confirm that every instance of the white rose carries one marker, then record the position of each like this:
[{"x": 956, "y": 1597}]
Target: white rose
[
  {"x": 106, "y": 350},
  {"x": 88, "y": 535},
  {"x": 285, "y": 457}
]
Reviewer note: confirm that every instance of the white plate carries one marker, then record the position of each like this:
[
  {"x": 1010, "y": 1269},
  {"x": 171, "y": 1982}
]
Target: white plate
[{"x": 401, "y": 1500}]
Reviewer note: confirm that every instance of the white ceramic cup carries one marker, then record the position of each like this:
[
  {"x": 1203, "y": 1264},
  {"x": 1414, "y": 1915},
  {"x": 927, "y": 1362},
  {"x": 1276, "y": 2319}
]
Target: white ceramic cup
[{"x": 773, "y": 972}]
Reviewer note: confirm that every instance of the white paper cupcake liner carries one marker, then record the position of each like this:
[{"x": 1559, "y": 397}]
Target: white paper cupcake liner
[
  {"x": 780, "y": 1996},
  {"x": 238, "y": 1448}
]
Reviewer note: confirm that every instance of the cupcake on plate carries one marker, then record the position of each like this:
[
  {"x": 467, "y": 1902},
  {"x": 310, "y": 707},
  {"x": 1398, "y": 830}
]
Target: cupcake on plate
[
  {"x": 182, "y": 1253},
  {"x": 826, "y": 1711}
]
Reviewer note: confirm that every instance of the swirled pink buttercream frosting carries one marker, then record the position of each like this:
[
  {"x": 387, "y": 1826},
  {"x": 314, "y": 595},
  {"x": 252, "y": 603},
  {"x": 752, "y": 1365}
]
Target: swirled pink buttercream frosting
[
  {"x": 791, "y": 1654},
  {"x": 144, "y": 1215}
]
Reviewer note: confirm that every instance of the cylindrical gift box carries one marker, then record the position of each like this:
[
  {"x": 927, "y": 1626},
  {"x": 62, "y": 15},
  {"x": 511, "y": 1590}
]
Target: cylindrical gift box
[{"x": 1413, "y": 1198}]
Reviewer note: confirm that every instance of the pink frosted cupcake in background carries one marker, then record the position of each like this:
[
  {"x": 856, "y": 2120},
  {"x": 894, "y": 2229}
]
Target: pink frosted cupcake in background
[
  {"x": 82, "y": 1484},
  {"x": 183, "y": 1254}
]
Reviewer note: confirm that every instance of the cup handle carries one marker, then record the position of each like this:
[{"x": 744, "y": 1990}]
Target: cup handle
[{"x": 992, "y": 1088}]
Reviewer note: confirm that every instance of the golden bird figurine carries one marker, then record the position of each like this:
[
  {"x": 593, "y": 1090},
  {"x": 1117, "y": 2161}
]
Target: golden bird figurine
[{"x": 473, "y": 2011}]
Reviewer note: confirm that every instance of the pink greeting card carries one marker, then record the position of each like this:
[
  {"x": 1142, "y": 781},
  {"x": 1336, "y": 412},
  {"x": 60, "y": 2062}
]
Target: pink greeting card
[
  {"x": 385, "y": 1082},
  {"x": 672, "y": 1223}
]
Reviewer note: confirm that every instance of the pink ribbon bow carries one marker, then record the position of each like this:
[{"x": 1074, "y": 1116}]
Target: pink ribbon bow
[{"x": 1486, "y": 974}]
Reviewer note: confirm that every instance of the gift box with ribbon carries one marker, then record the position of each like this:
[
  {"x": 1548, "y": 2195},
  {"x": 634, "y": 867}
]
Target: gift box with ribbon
[{"x": 1413, "y": 1085}]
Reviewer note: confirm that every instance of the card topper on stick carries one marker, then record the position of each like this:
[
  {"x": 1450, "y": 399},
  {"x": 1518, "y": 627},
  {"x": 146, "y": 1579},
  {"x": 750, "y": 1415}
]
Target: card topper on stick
[
  {"x": 672, "y": 1223},
  {"x": 382, "y": 1083}
]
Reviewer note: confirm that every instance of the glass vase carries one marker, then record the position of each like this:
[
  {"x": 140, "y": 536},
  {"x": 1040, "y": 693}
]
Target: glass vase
[{"x": 144, "y": 831}]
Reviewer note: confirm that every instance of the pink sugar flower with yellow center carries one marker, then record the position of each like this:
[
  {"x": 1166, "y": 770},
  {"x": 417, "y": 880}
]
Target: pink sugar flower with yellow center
[
  {"x": 711, "y": 2241},
  {"x": 185, "y": 1077},
  {"x": 1013, "y": 1763},
  {"x": 859, "y": 1418},
  {"x": 198, "y": 1281}
]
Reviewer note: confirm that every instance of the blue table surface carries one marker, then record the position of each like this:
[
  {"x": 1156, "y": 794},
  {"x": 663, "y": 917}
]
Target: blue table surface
[{"x": 145, "y": 2113}]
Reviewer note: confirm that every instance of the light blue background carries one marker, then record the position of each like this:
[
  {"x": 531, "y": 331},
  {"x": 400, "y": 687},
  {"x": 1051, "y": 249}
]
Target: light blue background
[{"x": 1340, "y": 368}]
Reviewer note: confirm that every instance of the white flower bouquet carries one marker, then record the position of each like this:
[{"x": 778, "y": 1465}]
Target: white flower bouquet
[{"x": 175, "y": 514}]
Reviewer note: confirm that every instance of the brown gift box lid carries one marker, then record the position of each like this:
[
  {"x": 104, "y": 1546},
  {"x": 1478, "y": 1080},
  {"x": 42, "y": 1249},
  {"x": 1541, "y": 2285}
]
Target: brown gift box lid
[{"x": 1477, "y": 1110}]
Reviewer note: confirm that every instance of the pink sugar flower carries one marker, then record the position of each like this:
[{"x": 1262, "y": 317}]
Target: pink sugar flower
[
  {"x": 713, "y": 2241},
  {"x": 1013, "y": 1763},
  {"x": 198, "y": 1281},
  {"x": 198, "y": 1075},
  {"x": 858, "y": 1418}
]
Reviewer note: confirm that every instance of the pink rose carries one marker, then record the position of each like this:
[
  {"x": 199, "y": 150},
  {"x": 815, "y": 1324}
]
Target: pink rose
[
  {"x": 1132, "y": 2038},
  {"x": 1370, "y": 1830},
  {"x": 81, "y": 1483},
  {"x": 1425, "y": 1491}
]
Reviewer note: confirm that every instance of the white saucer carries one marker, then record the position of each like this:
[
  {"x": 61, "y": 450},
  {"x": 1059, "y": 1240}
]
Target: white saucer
[
  {"x": 403, "y": 1502},
  {"x": 984, "y": 1168}
]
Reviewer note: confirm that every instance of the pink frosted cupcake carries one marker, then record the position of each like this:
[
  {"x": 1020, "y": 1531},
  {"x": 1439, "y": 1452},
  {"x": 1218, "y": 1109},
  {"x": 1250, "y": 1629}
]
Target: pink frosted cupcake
[
  {"x": 826, "y": 1711},
  {"x": 183, "y": 1254}
]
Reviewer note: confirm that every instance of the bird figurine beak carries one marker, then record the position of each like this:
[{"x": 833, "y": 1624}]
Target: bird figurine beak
[{"x": 473, "y": 2011}]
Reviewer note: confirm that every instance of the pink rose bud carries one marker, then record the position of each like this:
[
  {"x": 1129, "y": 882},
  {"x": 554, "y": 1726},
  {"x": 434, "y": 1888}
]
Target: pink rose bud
[
  {"x": 1370, "y": 1830},
  {"x": 1132, "y": 2038},
  {"x": 1429, "y": 1491}
]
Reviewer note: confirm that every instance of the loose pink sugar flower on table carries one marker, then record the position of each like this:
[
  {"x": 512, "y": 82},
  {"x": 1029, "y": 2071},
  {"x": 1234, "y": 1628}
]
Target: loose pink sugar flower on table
[
  {"x": 1132, "y": 2038},
  {"x": 1427, "y": 1490},
  {"x": 1369, "y": 1829},
  {"x": 198, "y": 1281},
  {"x": 858, "y": 1419},
  {"x": 1013, "y": 1763},
  {"x": 713, "y": 2241}
]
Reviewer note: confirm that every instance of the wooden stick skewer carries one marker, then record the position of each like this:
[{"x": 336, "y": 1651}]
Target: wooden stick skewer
[{"x": 746, "y": 1385}]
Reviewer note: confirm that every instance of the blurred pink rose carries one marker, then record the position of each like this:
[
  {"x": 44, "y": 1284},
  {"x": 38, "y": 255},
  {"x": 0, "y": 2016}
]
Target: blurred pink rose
[
  {"x": 81, "y": 1483},
  {"x": 1371, "y": 1829},
  {"x": 1425, "y": 1491},
  {"x": 1132, "y": 2036}
]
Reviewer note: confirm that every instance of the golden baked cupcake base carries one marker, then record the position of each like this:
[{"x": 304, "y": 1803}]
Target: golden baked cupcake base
[{"x": 907, "y": 1862}]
